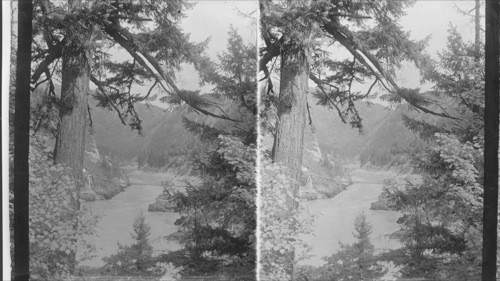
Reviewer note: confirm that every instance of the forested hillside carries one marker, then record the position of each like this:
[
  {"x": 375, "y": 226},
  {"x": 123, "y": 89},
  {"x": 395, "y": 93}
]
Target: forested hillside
[
  {"x": 339, "y": 138},
  {"x": 169, "y": 144},
  {"x": 112, "y": 137},
  {"x": 383, "y": 142},
  {"x": 390, "y": 143}
]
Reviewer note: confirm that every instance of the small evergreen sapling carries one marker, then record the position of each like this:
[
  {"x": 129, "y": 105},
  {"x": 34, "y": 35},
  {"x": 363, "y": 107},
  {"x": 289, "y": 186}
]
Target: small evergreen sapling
[
  {"x": 137, "y": 258},
  {"x": 356, "y": 261}
]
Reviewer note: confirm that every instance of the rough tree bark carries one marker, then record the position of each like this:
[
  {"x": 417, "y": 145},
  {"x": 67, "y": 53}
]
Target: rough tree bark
[
  {"x": 70, "y": 141},
  {"x": 289, "y": 139}
]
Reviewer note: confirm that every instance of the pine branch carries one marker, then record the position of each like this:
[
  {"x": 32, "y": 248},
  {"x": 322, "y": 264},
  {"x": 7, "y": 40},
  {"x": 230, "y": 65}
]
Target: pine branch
[
  {"x": 346, "y": 15},
  {"x": 331, "y": 102},
  {"x": 346, "y": 38},
  {"x": 101, "y": 88},
  {"x": 127, "y": 41},
  {"x": 204, "y": 131},
  {"x": 150, "y": 90},
  {"x": 54, "y": 53},
  {"x": 370, "y": 89},
  {"x": 424, "y": 129}
]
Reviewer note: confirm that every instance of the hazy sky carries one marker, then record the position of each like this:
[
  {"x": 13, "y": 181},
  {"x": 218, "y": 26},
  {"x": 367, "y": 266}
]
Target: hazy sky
[
  {"x": 434, "y": 18},
  {"x": 209, "y": 19},
  {"x": 213, "y": 19},
  {"x": 424, "y": 18}
]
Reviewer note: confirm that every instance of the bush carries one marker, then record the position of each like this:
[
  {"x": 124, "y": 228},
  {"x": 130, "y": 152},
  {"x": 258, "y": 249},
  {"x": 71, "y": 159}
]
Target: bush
[{"x": 56, "y": 227}]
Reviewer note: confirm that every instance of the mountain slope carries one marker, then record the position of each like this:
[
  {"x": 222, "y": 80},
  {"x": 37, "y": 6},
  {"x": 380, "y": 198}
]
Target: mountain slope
[
  {"x": 112, "y": 137},
  {"x": 341, "y": 139},
  {"x": 385, "y": 141}
]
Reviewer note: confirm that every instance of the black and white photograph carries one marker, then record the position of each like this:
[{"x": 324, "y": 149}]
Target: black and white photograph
[
  {"x": 372, "y": 140},
  {"x": 271, "y": 140},
  {"x": 142, "y": 138}
]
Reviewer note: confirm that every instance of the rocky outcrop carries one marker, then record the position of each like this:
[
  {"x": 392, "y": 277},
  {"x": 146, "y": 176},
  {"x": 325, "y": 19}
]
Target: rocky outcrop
[
  {"x": 162, "y": 204},
  {"x": 323, "y": 175},
  {"x": 164, "y": 201},
  {"x": 382, "y": 204},
  {"x": 103, "y": 176}
]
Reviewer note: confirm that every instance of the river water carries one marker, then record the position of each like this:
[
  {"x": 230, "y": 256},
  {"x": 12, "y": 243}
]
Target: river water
[
  {"x": 118, "y": 214},
  {"x": 334, "y": 217},
  {"x": 333, "y": 222}
]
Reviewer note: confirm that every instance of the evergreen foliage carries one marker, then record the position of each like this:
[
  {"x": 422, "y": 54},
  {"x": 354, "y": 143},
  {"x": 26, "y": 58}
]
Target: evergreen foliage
[
  {"x": 303, "y": 35},
  {"x": 146, "y": 30},
  {"x": 136, "y": 259},
  {"x": 356, "y": 261},
  {"x": 390, "y": 143},
  {"x": 169, "y": 144},
  {"x": 218, "y": 220},
  {"x": 352, "y": 262},
  {"x": 443, "y": 211},
  {"x": 368, "y": 30}
]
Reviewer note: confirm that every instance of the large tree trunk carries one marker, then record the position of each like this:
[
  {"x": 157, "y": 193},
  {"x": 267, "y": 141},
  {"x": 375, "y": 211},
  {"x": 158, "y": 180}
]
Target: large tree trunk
[
  {"x": 70, "y": 142},
  {"x": 73, "y": 110},
  {"x": 289, "y": 139},
  {"x": 491, "y": 123}
]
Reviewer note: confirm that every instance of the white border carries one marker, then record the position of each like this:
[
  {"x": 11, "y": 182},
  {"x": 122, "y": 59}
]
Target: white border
[{"x": 6, "y": 40}]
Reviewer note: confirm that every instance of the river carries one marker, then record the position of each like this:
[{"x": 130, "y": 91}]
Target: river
[
  {"x": 117, "y": 215},
  {"x": 334, "y": 217},
  {"x": 333, "y": 223}
]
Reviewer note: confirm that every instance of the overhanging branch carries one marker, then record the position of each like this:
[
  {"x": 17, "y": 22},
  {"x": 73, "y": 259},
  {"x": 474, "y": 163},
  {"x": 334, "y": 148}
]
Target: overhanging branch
[
  {"x": 127, "y": 41},
  {"x": 345, "y": 37},
  {"x": 101, "y": 88}
]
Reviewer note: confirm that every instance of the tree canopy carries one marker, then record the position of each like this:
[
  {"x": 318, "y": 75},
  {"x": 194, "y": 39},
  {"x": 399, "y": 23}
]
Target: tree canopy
[
  {"x": 367, "y": 30},
  {"x": 439, "y": 241},
  {"x": 304, "y": 36},
  {"x": 145, "y": 34},
  {"x": 218, "y": 214}
]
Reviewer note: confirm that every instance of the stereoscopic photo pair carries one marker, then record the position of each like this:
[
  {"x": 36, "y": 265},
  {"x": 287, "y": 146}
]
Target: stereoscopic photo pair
[{"x": 250, "y": 140}]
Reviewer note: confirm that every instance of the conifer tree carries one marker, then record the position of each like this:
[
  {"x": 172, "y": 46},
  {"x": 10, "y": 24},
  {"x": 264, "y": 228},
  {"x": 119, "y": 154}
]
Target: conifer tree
[
  {"x": 299, "y": 34},
  {"x": 137, "y": 258},
  {"x": 71, "y": 42},
  {"x": 79, "y": 34},
  {"x": 218, "y": 219},
  {"x": 440, "y": 241},
  {"x": 354, "y": 262}
]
